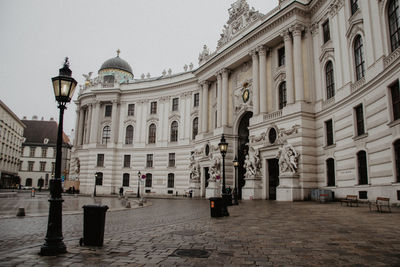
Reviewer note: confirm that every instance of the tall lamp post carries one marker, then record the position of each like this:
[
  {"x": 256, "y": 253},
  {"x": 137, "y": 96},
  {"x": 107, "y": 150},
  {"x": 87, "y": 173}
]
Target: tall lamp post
[
  {"x": 64, "y": 87},
  {"x": 138, "y": 183},
  {"x": 235, "y": 191},
  {"x": 223, "y": 147}
]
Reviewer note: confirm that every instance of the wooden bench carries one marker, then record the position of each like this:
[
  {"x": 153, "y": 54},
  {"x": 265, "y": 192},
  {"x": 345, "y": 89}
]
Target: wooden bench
[
  {"x": 350, "y": 200},
  {"x": 380, "y": 203}
]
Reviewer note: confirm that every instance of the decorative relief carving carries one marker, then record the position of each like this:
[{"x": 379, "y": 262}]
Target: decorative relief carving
[
  {"x": 194, "y": 167},
  {"x": 335, "y": 7},
  {"x": 240, "y": 17},
  {"x": 243, "y": 96},
  {"x": 314, "y": 28},
  {"x": 273, "y": 115}
]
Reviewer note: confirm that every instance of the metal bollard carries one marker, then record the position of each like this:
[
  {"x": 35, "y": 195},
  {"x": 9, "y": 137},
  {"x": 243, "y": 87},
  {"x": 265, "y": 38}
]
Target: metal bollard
[{"x": 33, "y": 192}]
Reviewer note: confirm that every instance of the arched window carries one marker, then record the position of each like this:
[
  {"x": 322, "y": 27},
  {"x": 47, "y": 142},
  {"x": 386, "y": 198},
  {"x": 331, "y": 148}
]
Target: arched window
[
  {"x": 282, "y": 95},
  {"x": 125, "y": 179},
  {"x": 174, "y": 131},
  {"x": 171, "y": 178},
  {"x": 106, "y": 134},
  {"x": 330, "y": 83},
  {"x": 129, "y": 135},
  {"x": 394, "y": 23},
  {"x": 397, "y": 159},
  {"x": 195, "y": 128},
  {"x": 99, "y": 178},
  {"x": 152, "y": 133},
  {"x": 28, "y": 182},
  {"x": 40, "y": 182},
  {"x": 362, "y": 167},
  {"x": 330, "y": 171},
  {"x": 149, "y": 179},
  {"x": 359, "y": 57}
]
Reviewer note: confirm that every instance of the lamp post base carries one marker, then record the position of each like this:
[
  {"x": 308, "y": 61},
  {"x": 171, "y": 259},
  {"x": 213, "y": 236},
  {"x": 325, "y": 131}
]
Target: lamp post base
[
  {"x": 235, "y": 197},
  {"x": 224, "y": 210},
  {"x": 53, "y": 248}
]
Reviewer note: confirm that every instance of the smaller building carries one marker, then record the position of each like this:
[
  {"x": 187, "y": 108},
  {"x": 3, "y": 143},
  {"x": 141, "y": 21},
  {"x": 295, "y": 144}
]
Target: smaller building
[
  {"x": 11, "y": 135},
  {"x": 39, "y": 153}
]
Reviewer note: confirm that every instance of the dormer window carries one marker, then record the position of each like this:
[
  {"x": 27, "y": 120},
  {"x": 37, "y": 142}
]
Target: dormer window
[{"x": 109, "y": 79}]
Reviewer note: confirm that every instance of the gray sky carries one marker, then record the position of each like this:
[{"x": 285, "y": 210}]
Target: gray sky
[{"x": 152, "y": 35}]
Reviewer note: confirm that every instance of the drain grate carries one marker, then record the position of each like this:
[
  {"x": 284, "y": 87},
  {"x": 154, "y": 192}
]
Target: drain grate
[{"x": 191, "y": 253}]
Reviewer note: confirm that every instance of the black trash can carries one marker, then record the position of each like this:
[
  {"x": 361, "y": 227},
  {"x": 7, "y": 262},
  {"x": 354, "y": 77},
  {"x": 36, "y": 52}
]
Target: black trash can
[
  {"x": 216, "y": 206},
  {"x": 94, "y": 217}
]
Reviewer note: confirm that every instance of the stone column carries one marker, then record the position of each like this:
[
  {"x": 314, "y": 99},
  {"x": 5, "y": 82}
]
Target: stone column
[
  {"x": 262, "y": 53},
  {"x": 94, "y": 126},
  {"x": 204, "y": 112},
  {"x": 225, "y": 97},
  {"x": 81, "y": 123},
  {"x": 77, "y": 126},
  {"x": 298, "y": 62},
  {"x": 219, "y": 100},
  {"x": 89, "y": 121},
  {"x": 256, "y": 90},
  {"x": 114, "y": 122},
  {"x": 289, "y": 66}
]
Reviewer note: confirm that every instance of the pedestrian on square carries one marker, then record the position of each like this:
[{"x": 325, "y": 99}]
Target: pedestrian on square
[{"x": 121, "y": 191}]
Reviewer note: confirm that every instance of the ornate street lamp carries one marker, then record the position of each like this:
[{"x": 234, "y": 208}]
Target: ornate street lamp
[
  {"x": 64, "y": 87},
  {"x": 223, "y": 148},
  {"x": 138, "y": 183},
  {"x": 235, "y": 193}
]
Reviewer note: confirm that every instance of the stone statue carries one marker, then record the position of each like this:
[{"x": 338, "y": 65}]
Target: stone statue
[
  {"x": 250, "y": 168},
  {"x": 287, "y": 155},
  {"x": 194, "y": 169},
  {"x": 288, "y": 159},
  {"x": 215, "y": 169},
  {"x": 88, "y": 80},
  {"x": 204, "y": 55}
]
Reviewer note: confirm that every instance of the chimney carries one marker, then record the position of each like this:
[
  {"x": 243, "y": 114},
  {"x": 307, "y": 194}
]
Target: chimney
[
  {"x": 51, "y": 119},
  {"x": 24, "y": 117},
  {"x": 34, "y": 117}
]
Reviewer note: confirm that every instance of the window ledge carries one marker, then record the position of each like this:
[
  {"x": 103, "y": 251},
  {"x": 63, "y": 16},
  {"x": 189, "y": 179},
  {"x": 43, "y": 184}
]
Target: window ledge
[
  {"x": 330, "y": 146},
  {"x": 362, "y": 185},
  {"x": 362, "y": 136},
  {"x": 393, "y": 123}
]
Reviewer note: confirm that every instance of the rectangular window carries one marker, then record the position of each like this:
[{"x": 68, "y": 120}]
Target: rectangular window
[
  {"x": 281, "y": 56},
  {"x": 171, "y": 180},
  {"x": 32, "y": 152},
  {"x": 153, "y": 108},
  {"x": 354, "y": 6},
  {"x": 149, "y": 161},
  {"x": 395, "y": 92},
  {"x": 30, "y": 165},
  {"x": 42, "y": 166},
  {"x": 326, "y": 31},
  {"x": 196, "y": 100},
  {"x": 216, "y": 119},
  {"x": 100, "y": 160},
  {"x": 108, "y": 110},
  {"x": 44, "y": 152},
  {"x": 131, "y": 110},
  {"x": 175, "y": 104},
  {"x": 329, "y": 132},
  {"x": 171, "y": 160},
  {"x": 359, "y": 120},
  {"x": 127, "y": 161}
]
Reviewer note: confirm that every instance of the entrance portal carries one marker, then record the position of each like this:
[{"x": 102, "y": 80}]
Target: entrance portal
[
  {"x": 243, "y": 148},
  {"x": 273, "y": 177}
]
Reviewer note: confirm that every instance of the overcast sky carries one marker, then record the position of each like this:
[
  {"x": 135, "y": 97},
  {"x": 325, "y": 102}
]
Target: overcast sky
[{"x": 152, "y": 35}]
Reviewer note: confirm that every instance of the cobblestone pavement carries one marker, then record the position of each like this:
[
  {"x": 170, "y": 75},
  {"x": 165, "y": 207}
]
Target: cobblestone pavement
[{"x": 257, "y": 233}]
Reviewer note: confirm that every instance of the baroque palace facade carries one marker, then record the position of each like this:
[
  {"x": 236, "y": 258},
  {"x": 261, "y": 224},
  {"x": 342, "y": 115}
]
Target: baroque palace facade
[{"x": 307, "y": 96}]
